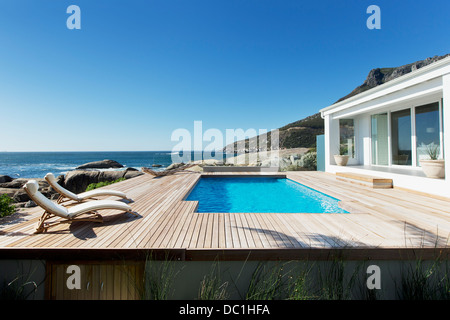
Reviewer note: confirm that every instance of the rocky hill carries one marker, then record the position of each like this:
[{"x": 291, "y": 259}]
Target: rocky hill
[
  {"x": 298, "y": 134},
  {"x": 382, "y": 75},
  {"x": 302, "y": 133}
]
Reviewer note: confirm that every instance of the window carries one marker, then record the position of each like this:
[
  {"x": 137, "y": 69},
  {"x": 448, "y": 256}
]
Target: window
[
  {"x": 427, "y": 130},
  {"x": 404, "y": 137},
  {"x": 401, "y": 137},
  {"x": 347, "y": 137}
]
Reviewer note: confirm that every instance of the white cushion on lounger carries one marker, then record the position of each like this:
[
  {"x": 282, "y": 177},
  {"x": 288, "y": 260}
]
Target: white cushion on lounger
[
  {"x": 56, "y": 209},
  {"x": 97, "y": 205},
  {"x": 33, "y": 188},
  {"x": 54, "y": 184},
  {"x": 100, "y": 192}
]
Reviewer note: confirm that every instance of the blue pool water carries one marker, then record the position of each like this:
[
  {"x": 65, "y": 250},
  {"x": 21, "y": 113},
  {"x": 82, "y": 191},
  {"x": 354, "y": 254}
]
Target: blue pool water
[{"x": 260, "y": 194}]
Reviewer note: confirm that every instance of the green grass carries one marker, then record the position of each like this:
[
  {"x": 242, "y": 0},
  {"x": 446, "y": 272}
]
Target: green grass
[
  {"x": 334, "y": 282},
  {"x": 212, "y": 287},
  {"x": 159, "y": 277},
  {"x": 22, "y": 286},
  {"x": 6, "y": 207},
  {"x": 266, "y": 283},
  {"x": 425, "y": 281},
  {"x": 93, "y": 186}
]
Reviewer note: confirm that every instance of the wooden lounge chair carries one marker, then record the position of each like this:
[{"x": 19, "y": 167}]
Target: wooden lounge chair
[
  {"x": 80, "y": 212},
  {"x": 66, "y": 195}
]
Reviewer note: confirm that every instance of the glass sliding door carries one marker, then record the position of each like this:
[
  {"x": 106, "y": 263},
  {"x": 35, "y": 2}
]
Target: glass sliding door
[
  {"x": 427, "y": 130},
  {"x": 401, "y": 137},
  {"x": 379, "y": 128}
]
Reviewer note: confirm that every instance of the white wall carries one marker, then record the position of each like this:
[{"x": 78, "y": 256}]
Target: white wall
[
  {"x": 446, "y": 126},
  {"x": 331, "y": 140}
]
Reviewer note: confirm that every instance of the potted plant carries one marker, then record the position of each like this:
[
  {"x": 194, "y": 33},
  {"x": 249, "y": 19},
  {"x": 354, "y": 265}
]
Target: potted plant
[
  {"x": 433, "y": 167},
  {"x": 341, "y": 158}
]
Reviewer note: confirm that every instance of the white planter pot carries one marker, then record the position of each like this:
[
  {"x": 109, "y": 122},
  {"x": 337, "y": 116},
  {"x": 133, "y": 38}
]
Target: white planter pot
[
  {"x": 341, "y": 160},
  {"x": 433, "y": 168}
]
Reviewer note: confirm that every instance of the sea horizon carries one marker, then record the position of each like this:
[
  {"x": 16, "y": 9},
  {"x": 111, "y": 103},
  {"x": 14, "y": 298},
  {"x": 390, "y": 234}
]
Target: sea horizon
[{"x": 36, "y": 164}]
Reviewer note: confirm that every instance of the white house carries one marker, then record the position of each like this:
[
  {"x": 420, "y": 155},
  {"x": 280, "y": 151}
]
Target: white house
[{"x": 387, "y": 130}]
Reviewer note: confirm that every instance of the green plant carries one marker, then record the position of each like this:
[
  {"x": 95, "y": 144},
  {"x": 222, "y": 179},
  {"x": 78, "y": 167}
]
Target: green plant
[
  {"x": 425, "y": 282},
  {"x": 309, "y": 161},
  {"x": 17, "y": 289},
  {"x": 22, "y": 286},
  {"x": 159, "y": 277},
  {"x": 212, "y": 287},
  {"x": 298, "y": 286},
  {"x": 266, "y": 283},
  {"x": 433, "y": 151},
  {"x": 93, "y": 186},
  {"x": 6, "y": 207},
  {"x": 342, "y": 150},
  {"x": 334, "y": 284}
]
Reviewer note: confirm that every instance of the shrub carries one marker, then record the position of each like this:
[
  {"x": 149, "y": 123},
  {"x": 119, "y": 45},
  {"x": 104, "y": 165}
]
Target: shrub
[
  {"x": 93, "y": 186},
  {"x": 6, "y": 208},
  {"x": 309, "y": 161}
]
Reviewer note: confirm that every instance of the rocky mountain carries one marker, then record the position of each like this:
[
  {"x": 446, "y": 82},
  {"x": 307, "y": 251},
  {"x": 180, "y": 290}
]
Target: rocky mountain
[
  {"x": 302, "y": 133},
  {"x": 382, "y": 75}
]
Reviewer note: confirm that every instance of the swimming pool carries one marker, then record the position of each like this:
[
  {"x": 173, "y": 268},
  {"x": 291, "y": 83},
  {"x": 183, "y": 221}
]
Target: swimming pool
[{"x": 258, "y": 195}]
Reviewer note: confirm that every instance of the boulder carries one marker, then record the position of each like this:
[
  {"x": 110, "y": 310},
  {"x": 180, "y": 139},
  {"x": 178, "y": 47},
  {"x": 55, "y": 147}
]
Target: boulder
[
  {"x": 14, "y": 189},
  {"x": 175, "y": 165},
  {"x": 283, "y": 163},
  {"x": 8, "y": 191},
  {"x": 22, "y": 196},
  {"x": 19, "y": 183},
  {"x": 30, "y": 204},
  {"x": 78, "y": 180},
  {"x": 195, "y": 168},
  {"x": 132, "y": 173},
  {"x": 294, "y": 158},
  {"x": 212, "y": 162},
  {"x": 104, "y": 164},
  {"x": 4, "y": 178},
  {"x": 14, "y": 184}
]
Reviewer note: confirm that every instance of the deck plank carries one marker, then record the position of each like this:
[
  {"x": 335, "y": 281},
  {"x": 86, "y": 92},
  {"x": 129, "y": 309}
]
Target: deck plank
[{"x": 378, "y": 218}]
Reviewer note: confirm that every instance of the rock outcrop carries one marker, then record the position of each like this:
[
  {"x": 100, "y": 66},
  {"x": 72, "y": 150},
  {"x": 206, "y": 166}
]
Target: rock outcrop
[
  {"x": 78, "y": 180},
  {"x": 14, "y": 189},
  {"x": 104, "y": 164},
  {"x": 4, "y": 179},
  {"x": 379, "y": 76}
]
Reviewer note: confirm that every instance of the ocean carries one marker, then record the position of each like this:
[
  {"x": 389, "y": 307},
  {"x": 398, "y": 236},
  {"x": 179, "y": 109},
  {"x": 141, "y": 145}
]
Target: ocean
[{"x": 38, "y": 164}]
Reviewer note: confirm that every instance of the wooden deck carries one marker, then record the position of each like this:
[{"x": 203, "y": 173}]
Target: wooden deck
[{"x": 382, "y": 222}]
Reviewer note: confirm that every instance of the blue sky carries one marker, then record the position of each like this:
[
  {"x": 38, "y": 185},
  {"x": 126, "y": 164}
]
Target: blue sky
[{"x": 138, "y": 70}]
